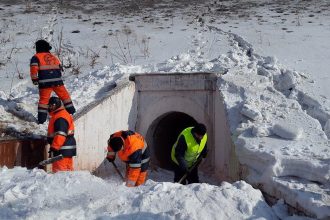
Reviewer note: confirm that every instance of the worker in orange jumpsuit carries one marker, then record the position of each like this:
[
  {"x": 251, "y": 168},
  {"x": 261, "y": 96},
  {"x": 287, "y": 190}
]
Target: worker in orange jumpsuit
[
  {"x": 133, "y": 150},
  {"x": 46, "y": 71},
  {"x": 61, "y": 135}
]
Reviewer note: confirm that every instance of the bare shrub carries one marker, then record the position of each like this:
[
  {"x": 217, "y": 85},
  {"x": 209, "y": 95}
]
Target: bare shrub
[
  {"x": 76, "y": 70},
  {"x": 20, "y": 74},
  {"x": 28, "y": 5},
  {"x": 58, "y": 44},
  {"x": 123, "y": 53},
  {"x": 68, "y": 63},
  {"x": 5, "y": 40},
  {"x": 13, "y": 51},
  {"x": 76, "y": 67},
  {"x": 145, "y": 46},
  {"x": 93, "y": 56}
]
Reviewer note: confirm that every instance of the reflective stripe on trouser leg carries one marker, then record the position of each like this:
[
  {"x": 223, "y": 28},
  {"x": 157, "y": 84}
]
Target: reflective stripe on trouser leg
[
  {"x": 141, "y": 179},
  {"x": 44, "y": 95},
  {"x": 132, "y": 176},
  {"x": 65, "y": 164}
]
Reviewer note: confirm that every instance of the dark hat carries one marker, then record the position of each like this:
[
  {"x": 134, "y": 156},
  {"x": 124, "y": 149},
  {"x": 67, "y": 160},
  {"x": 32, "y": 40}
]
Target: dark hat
[
  {"x": 199, "y": 129},
  {"x": 55, "y": 101},
  {"x": 116, "y": 143},
  {"x": 42, "y": 46}
]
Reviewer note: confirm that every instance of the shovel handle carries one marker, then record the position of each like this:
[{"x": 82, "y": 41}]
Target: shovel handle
[
  {"x": 118, "y": 171},
  {"x": 191, "y": 168}
]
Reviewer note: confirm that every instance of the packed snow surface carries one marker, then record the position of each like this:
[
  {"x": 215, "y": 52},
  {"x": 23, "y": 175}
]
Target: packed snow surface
[{"x": 34, "y": 194}]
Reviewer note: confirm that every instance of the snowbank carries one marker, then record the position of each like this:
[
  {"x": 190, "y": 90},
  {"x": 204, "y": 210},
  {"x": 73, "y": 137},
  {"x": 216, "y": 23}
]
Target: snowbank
[
  {"x": 34, "y": 194},
  {"x": 274, "y": 136}
]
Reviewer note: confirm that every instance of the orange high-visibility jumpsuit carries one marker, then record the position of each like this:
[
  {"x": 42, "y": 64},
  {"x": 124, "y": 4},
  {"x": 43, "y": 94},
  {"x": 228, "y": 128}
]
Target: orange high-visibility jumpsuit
[
  {"x": 61, "y": 139},
  {"x": 135, "y": 153},
  {"x": 45, "y": 70}
]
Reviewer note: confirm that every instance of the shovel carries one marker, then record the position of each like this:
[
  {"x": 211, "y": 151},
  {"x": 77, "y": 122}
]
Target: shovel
[
  {"x": 191, "y": 168},
  {"x": 118, "y": 171},
  {"x": 51, "y": 160}
]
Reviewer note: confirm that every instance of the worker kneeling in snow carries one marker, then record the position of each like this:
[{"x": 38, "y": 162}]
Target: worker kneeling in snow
[
  {"x": 133, "y": 150},
  {"x": 187, "y": 152},
  {"x": 61, "y": 135}
]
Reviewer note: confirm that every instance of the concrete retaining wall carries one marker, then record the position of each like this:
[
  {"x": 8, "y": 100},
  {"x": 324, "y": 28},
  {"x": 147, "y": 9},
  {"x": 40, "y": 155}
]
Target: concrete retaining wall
[{"x": 117, "y": 111}]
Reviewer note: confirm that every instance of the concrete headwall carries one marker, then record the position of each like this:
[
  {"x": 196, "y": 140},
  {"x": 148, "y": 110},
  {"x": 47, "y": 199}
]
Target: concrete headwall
[
  {"x": 226, "y": 162},
  {"x": 94, "y": 124},
  {"x": 197, "y": 96},
  {"x": 159, "y": 106}
]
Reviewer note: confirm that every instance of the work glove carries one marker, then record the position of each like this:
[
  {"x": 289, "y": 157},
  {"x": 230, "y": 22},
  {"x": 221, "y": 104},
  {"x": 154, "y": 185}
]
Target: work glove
[
  {"x": 35, "y": 82},
  {"x": 52, "y": 152},
  {"x": 111, "y": 159}
]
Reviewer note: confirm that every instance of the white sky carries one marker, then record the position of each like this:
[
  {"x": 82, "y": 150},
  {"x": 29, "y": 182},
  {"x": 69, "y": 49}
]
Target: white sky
[{"x": 277, "y": 102}]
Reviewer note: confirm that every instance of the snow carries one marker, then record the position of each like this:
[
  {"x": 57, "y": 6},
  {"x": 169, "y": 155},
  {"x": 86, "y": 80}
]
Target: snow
[
  {"x": 327, "y": 128},
  {"x": 274, "y": 64},
  {"x": 34, "y": 194},
  {"x": 288, "y": 131}
]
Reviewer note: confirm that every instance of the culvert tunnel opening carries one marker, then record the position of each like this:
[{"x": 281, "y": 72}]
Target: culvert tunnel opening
[{"x": 163, "y": 133}]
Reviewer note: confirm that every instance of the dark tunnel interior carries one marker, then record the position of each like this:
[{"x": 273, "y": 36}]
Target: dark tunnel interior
[{"x": 164, "y": 133}]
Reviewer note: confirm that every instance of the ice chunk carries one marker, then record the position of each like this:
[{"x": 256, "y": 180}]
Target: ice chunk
[
  {"x": 288, "y": 130},
  {"x": 327, "y": 128},
  {"x": 286, "y": 81},
  {"x": 250, "y": 112},
  {"x": 270, "y": 63},
  {"x": 261, "y": 131}
]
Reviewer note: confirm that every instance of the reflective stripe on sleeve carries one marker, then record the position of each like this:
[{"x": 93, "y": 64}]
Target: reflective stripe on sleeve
[
  {"x": 49, "y": 80},
  {"x": 145, "y": 160},
  {"x": 68, "y": 147},
  {"x": 134, "y": 165},
  {"x": 144, "y": 147},
  {"x": 34, "y": 64},
  {"x": 60, "y": 133}
]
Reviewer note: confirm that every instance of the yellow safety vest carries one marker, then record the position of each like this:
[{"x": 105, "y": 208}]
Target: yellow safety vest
[{"x": 193, "y": 148}]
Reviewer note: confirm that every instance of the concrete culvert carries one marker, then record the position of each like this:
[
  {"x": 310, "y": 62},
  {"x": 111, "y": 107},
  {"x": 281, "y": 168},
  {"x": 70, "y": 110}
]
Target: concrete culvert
[
  {"x": 158, "y": 106},
  {"x": 163, "y": 133}
]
